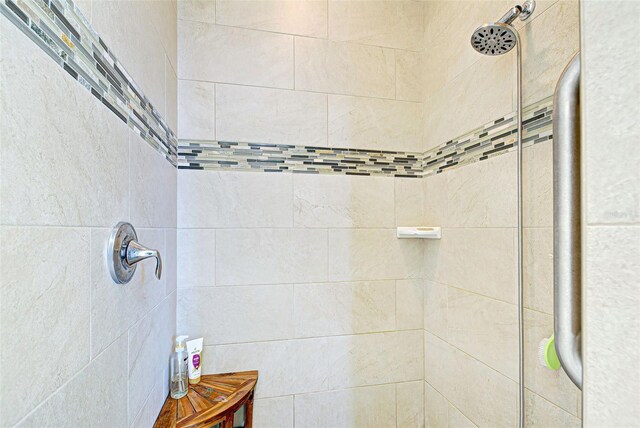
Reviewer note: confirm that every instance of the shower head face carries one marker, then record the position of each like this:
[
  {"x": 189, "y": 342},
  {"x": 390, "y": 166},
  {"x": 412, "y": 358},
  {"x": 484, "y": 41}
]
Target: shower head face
[{"x": 493, "y": 39}]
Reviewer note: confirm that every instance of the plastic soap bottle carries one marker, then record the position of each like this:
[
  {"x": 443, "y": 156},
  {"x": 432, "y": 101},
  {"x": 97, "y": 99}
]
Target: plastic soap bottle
[{"x": 178, "y": 379}]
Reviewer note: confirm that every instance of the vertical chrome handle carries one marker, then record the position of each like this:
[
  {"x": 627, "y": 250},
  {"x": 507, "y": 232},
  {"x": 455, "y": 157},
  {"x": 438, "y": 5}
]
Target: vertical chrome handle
[
  {"x": 566, "y": 220},
  {"x": 137, "y": 252},
  {"x": 124, "y": 252}
]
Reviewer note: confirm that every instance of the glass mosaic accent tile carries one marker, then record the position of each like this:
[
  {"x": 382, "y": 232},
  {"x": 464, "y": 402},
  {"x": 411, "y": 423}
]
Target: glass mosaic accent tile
[
  {"x": 297, "y": 159},
  {"x": 490, "y": 140},
  {"x": 493, "y": 139},
  {"x": 59, "y": 29}
]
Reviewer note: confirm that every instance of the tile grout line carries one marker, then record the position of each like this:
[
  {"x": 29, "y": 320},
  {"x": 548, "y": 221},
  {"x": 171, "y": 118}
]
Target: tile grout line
[{"x": 302, "y": 91}]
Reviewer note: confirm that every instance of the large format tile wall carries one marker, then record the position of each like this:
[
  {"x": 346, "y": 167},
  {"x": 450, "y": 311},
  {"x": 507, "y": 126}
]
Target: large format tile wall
[
  {"x": 471, "y": 333},
  {"x": 300, "y": 276},
  {"x": 611, "y": 226},
  {"x": 77, "y": 349}
]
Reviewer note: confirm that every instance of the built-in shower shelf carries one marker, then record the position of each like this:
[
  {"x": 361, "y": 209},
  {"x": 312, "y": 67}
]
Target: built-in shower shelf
[{"x": 422, "y": 232}]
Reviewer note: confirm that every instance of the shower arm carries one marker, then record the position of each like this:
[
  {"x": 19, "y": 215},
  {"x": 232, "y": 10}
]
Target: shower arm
[
  {"x": 523, "y": 12},
  {"x": 511, "y": 15},
  {"x": 567, "y": 221}
]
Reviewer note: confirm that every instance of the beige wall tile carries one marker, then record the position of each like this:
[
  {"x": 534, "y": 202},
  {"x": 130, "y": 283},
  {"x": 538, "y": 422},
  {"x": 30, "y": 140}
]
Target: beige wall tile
[
  {"x": 435, "y": 408},
  {"x": 458, "y": 420},
  {"x": 164, "y": 16},
  {"x": 393, "y": 24},
  {"x": 434, "y": 68},
  {"x": 448, "y": 44},
  {"x": 170, "y": 260},
  {"x": 410, "y": 76},
  {"x": 613, "y": 187},
  {"x": 44, "y": 313},
  {"x": 363, "y": 254},
  {"x": 553, "y": 385},
  {"x": 483, "y": 194},
  {"x": 611, "y": 338},
  {"x": 476, "y": 96},
  {"x": 152, "y": 204},
  {"x": 435, "y": 309},
  {"x": 409, "y": 196},
  {"x": 344, "y": 68},
  {"x": 538, "y": 269},
  {"x": 171, "y": 96},
  {"x": 613, "y": 267},
  {"x": 286, "y": 367},
  {"x": 233, "y": 55},
  {"x": 372, "y": 406},
  {"x": 343, "y": 201},
  {"x": 116, "y": 308},
  {"x": 210, "y": 199},
  {"x": 106, "y": 375},
  {"x": 370, "y": 123},
  {"x": 436, "y": 200},
  {"x": 151, "y": 409},
  {"x": 75, "y": 184},
  {"x": 410, "y": 404},
  {"x": 484, "y": 328},
  {"x": 435, "y": 15},
  {"x": 270, "y": 256},
  {"x": 197, "y": 10},
  {"x": 344, "y": 308},
  {"x": 548, "y": 43},
  {"x": 120, "y": 22},
  {"x": 355, "y": 360},
  {"x": 303, "y": 18},
  {"x": 611, "y": 137},
  {"x": 150, "y": 344},
  {"x": 85, "y": 8},
  {"x": 270, "y": 116},
  {"x": 242, "y": 314},
  {"x": 540, "y": 412},
  {"x": 482, "y": 394},
  {"x": 196, "y": 258},
  {"x": 273, "y": 412},
  {"x": 478, "y": 260},
  {"x": 409, "y": 304},
  {"x": 537, "y": 181},
  {"x": 196, "y": 110}
]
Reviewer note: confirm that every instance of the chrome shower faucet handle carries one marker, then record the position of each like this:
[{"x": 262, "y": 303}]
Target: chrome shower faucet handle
[{"x": 124, "y": 252}]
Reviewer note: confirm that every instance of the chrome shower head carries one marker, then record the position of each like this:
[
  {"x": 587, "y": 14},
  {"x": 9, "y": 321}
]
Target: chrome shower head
[
  {"x": 498, "y": 38},
  {"x": 493, "y": 39}
]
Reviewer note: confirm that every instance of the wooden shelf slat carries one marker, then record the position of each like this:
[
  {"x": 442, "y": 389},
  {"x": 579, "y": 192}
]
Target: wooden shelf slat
[{"x": 215, "y": 399}]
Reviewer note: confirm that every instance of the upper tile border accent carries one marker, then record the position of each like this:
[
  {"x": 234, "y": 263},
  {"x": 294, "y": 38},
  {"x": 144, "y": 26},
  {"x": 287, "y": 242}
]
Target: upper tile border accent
[
  {"x": 297, "y": 159},
  {"x": 60, "y": 30},
  {"x": 490, "y": 140}
]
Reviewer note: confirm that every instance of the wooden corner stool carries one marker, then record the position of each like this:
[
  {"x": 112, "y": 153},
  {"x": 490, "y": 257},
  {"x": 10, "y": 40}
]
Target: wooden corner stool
[{"x": 213, "y": 401}]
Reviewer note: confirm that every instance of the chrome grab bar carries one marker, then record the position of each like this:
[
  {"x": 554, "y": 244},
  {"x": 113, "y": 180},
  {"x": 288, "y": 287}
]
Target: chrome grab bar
[{"x": 566, "y": 221}]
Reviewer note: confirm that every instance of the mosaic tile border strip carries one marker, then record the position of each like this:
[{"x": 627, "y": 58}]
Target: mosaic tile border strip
[
  {"x": 296, "y": 159},
  {"x": 59, "y": 29},
  {"x": 493, "y": 139}
]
